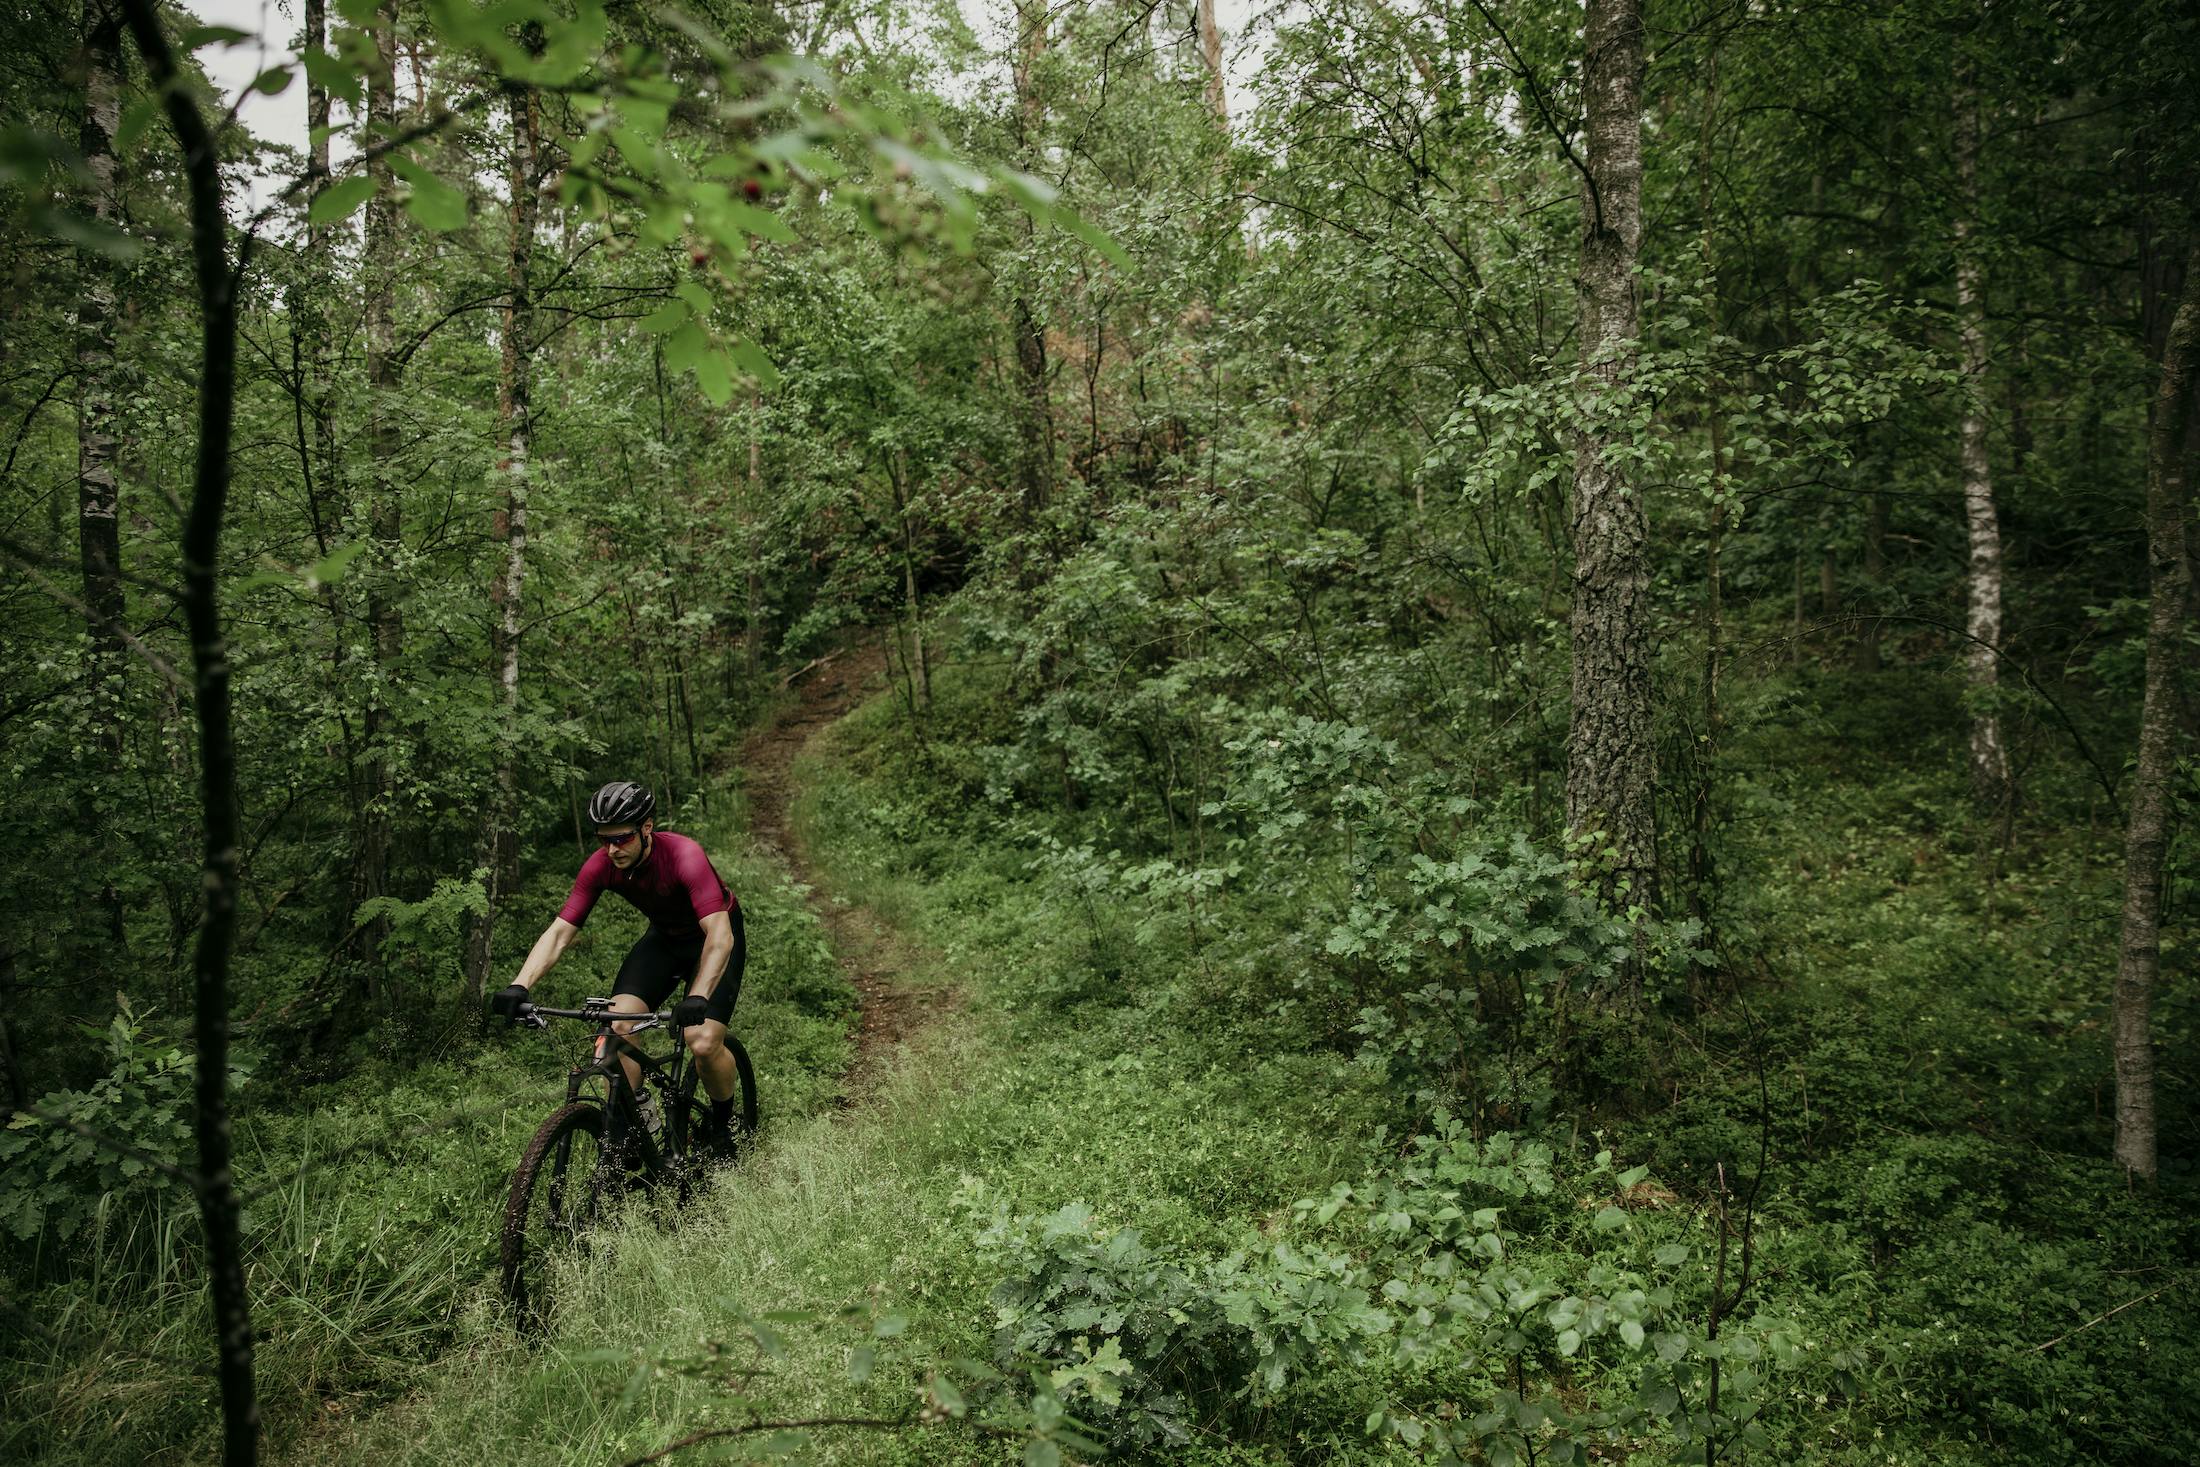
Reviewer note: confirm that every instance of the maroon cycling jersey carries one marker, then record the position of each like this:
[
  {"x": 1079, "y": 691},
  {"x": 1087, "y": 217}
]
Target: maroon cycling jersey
[{"x": 674, "y": 886}]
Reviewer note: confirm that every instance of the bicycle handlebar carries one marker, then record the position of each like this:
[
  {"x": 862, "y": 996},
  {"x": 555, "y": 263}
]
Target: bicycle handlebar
[{"x": 538, "y": 1018}]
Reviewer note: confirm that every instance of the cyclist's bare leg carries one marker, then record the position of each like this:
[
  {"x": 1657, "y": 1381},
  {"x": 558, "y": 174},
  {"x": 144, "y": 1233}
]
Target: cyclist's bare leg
[
  {"x": 629, "y": 1003},
  {"x": 713, "y": 1060}
]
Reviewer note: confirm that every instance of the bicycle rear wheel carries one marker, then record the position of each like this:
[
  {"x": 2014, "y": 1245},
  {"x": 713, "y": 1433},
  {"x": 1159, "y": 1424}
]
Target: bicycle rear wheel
[
  {"x": 691, "y": 1116},
  {"x": 559, "y": 1190}
]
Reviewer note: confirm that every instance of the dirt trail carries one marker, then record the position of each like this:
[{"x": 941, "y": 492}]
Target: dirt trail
[{"x": 879, "y": 961}]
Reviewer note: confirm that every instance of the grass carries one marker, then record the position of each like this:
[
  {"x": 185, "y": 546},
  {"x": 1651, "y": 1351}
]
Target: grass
[
  {"x": 1935, "y": 1212},
  {"x": 1031, "y": 1087}
]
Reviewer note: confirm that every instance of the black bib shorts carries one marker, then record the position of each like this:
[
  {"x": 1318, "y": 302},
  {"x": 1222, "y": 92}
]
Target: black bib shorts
[{"x": 658, "y": 964}]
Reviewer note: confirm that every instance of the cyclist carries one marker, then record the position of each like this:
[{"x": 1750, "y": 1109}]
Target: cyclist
[{"x": 695, "y": 933}]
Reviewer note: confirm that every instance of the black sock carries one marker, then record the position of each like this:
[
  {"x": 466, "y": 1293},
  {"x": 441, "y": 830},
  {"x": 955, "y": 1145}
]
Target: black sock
[{"x": 721, "y": 1111}]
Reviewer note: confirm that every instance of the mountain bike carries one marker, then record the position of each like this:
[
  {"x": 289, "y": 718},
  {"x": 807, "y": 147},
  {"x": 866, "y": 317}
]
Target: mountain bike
[{"x": 605, "y": 1143}]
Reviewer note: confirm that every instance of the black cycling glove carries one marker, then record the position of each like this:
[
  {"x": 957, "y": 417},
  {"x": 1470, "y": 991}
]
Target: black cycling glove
[
  {"x": 505, "y": 1002},
  {"x": 691, "y": 1011}
]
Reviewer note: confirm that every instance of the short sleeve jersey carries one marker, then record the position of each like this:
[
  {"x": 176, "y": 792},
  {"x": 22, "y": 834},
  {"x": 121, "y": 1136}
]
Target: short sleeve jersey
[{"x": 674, "y": 886}]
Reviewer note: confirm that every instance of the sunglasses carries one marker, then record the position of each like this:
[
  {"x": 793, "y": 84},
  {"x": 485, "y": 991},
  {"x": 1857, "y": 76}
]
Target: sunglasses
[{"x": 610, "y": 839}]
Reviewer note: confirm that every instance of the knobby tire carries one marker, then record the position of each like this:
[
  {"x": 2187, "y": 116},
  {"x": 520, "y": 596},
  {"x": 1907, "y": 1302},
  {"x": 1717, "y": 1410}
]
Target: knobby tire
[{"x": 557, "y": 1195}]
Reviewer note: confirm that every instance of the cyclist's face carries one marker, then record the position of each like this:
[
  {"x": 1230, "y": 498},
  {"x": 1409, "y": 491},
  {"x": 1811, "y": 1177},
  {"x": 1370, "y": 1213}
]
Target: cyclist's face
[{"x": 625, "y": 844}]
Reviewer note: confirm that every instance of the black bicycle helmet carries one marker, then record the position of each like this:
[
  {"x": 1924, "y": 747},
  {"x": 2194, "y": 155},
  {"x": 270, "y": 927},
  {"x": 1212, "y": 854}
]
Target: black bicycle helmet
[{"x": 621, "y": 802}]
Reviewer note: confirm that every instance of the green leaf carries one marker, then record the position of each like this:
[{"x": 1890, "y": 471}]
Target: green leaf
[
  {"x": 714, "y": 372},
  {"x": 272, "y": 82},
  {"x": 83, "y": 230},
  {"x": 760, "y": 222},
  {"x": 339, "y": 200},
  {"x": 1569, "y": 1341},
  {"x": 1034, "y": 193},
  {"x": 860, "y": 1361},
  {"x": 330, "y": 568},
  {"x": 135, "y": 119},
  {"x": 1610, "y": 1220},
  {"x": 1039, "y": 1452},
  {"x": 697, "y": 296},
  {"x": 670, "y": 316},
  {"x": 337, "y": 78},
  {"x": 1630, "y": 1331},
  {"x": 887, "y": 1326},
  {"x": 1092, "y": 236},
  {"x": 686, "y": 347},
  {"x": 210, "y": 35},
  {"x": 435, "y": 204},
  {"x": 751, "y": 359}
]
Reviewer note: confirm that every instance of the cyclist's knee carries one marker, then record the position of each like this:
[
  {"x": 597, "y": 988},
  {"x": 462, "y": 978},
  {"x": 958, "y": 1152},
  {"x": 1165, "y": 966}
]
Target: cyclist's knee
[{"x": 706, "y": 1041}]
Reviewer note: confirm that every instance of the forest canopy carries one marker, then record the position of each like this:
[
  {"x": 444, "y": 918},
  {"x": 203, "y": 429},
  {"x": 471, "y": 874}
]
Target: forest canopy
[{"x": 1451, "y": 732}]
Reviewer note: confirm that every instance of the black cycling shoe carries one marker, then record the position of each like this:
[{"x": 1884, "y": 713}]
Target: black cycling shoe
[{"x": 716, "y": 1144}]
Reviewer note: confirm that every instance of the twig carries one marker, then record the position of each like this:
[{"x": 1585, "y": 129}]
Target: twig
[
  {"x": 811, "y": 666},
  {"x": 2104, "y": 1318}
]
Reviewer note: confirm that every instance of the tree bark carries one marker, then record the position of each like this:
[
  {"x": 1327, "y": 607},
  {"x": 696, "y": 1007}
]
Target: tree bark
[
  {"x": 99, "y": 540},
  {"x": 2146, "y": 835},
  {"x": 98, "y": 442},
  {"x": 752, "y": 508},
  {"x": 1611, "y": 759},
  {"x": 1210, "y": 54},
  {"x": 385, "y": 629},
  {"x": 499, "y": 841},
  {"x": 1982, "y": 620},
  {"x": 1035, "y": 467},
  {"x": 217, "y": 286}
]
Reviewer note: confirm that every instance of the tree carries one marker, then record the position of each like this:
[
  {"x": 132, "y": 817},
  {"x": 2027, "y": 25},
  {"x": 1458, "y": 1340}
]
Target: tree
[
  {"x": 219, "y": 1206},
  {"x": 1611, "y": 765},
  {"x": 385, "y": 515},
  {"x": 1990, "y": 774},
  {"x": 499, "y": 847},
  {"x": 2146, "y": 831},
  {"x": 1035, "y": 462},
  {"x": 1210, "y": 55}
]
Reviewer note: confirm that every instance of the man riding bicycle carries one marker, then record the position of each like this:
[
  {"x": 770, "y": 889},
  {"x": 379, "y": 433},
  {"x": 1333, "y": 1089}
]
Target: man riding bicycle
[{"x": 695, "y": 933}]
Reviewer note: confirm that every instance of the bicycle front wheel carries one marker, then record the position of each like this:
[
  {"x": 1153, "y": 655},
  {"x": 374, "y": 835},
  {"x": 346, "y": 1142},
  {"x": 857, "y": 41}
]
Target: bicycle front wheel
[{"x": 559, "y": 1191}]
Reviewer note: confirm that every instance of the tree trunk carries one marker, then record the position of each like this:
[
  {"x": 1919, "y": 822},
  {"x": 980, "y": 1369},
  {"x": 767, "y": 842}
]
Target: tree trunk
[
  {"x": 1875, "y": 574},
  {"x": 1982, "y": 620},
  {"x": 201, "y": 599},
  {"x": 324, "y": 478},
  {"x": 920, "y": 676},
  {"x": 2146, "y": 837},
  {"x": 385, "y": 525},
  {"x": 1611, "y": 759},
  {"x": 752, "y": 587},
  {"x": 1210, "y": 53},
  {"x": 499, "y": 851},
  {"x": 1035, "y": 467},
  {"x": 97, "y": 446}
]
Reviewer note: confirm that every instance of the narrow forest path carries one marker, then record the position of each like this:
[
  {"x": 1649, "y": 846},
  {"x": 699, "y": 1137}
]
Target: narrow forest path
[{"x": 880, "y": 961}]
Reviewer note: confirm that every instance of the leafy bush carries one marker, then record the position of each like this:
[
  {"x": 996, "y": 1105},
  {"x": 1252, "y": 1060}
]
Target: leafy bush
[{"x": 60, "y": 1178}]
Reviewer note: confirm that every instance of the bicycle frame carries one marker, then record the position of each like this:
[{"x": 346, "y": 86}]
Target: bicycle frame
[{"x": 609, "y": 1050}]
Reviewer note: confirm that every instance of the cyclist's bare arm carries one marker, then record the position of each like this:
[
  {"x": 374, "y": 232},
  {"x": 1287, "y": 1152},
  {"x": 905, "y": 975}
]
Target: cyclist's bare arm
[
  {"x": 717, "y": 952},
  {"x": 549, "y": 947}
]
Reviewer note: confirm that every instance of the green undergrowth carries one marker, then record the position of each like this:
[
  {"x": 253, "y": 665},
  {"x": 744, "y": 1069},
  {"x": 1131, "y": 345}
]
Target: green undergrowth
[
  {"x": 373, "y": 1208},
  {"x": 1132, "y": 1183}
]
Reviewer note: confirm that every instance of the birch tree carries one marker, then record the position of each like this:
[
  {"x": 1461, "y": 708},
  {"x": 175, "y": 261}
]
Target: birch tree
[
  {"x": 1982, "y": 525},
  {"x": 499, "y": 849},
  {"x": 1610, "y": 758}
]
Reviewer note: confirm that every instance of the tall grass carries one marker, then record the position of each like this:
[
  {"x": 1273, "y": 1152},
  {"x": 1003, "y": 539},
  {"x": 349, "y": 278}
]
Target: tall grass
[{"x": 371, "y": 1224}]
